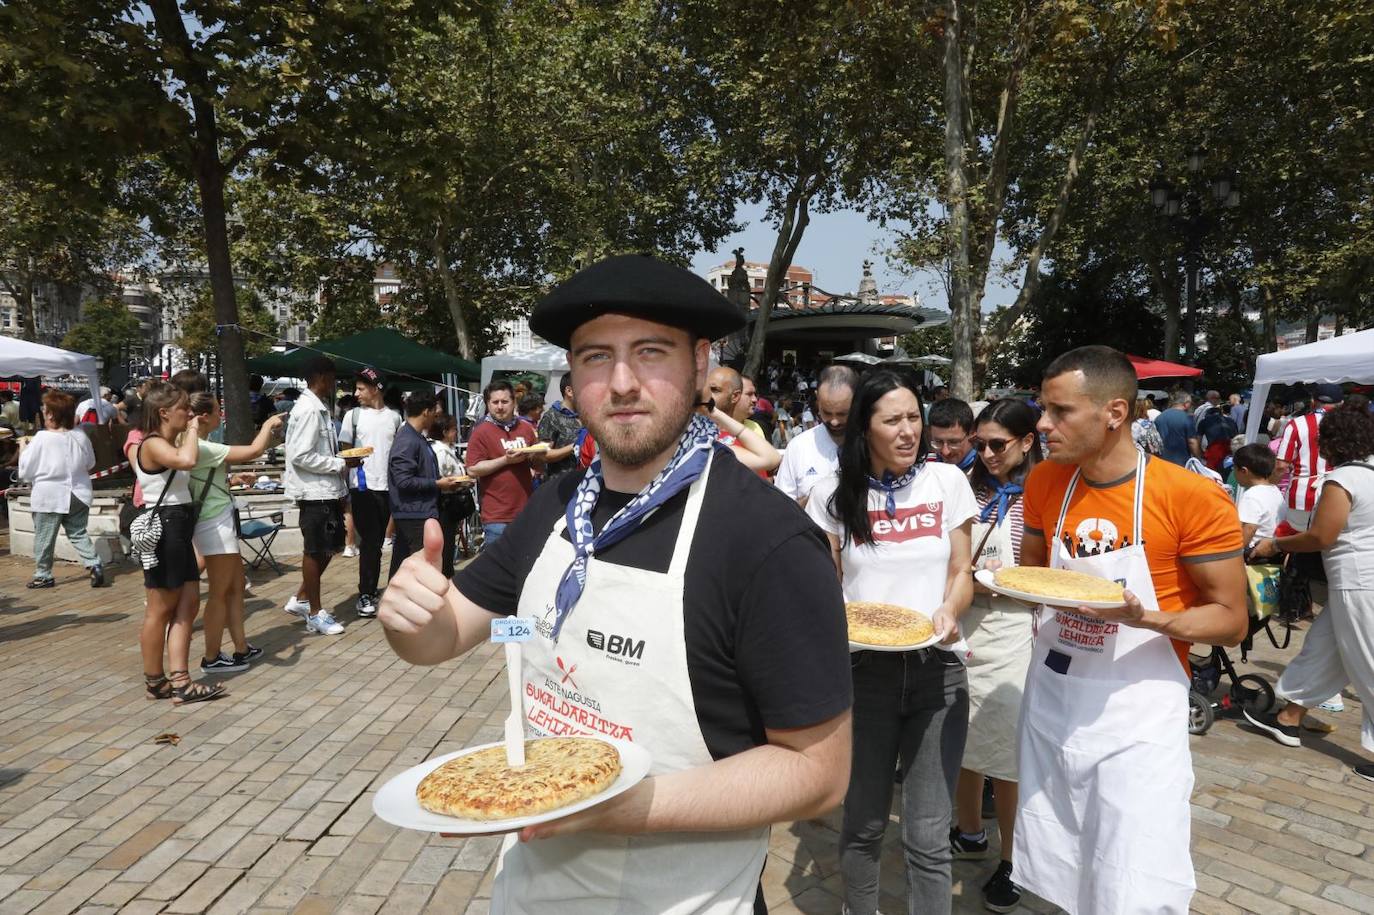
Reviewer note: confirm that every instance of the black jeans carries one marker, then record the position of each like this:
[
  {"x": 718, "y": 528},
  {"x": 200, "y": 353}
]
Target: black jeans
[
  {"x": 909, "y": 707},
  {"x": 410, "y": 538},
  {"x": 371, "y": 512}
]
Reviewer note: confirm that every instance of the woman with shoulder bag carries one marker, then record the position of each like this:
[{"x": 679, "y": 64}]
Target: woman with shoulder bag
[
  {"x": 899, "y": 531},
  {"x": 216, "y": 534},
  {"x": 162, "y": 536},
  {"x": 999, "y": 634},
  {"x": 1339, "y": 648},
  {"x": 453, "y": 506}
]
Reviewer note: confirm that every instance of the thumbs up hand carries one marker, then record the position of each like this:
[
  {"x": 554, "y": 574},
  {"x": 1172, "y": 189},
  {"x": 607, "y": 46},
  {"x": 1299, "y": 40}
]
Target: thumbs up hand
[{"x": 419, "y": 588}]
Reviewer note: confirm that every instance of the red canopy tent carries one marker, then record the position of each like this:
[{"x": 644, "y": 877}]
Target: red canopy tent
[{"x": 1158, "y": 368}]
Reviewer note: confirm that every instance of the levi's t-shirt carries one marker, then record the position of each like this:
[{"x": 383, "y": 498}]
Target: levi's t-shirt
[
  {"x": 504, "y": 493},
  {"x": 908, "y": 561},
  {"x": 1187, "y": 519}
]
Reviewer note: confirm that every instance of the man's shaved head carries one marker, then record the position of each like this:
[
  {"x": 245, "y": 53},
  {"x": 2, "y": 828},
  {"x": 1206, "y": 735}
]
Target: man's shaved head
[
  {"x": 1106, "y": 373},
  {"x": 724, "y": 385}
]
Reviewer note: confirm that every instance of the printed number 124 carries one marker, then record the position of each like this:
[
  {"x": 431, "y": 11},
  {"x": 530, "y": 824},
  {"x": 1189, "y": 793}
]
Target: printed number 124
[{"x": 511, "y": 629}]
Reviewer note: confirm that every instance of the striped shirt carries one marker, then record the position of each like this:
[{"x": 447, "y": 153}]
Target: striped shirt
[{"x": 1298, "y": 446}]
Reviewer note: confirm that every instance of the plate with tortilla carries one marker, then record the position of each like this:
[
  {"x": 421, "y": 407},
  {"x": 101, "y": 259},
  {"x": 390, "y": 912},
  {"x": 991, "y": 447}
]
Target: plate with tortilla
[
  {"x": 1053, "y": 587},
  {"x": 887, "y": 627}
]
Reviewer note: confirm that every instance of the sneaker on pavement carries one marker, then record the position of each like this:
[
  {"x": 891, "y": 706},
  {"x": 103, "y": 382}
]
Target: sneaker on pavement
[
  {"x": 252, "y": 654},
  {"x": 323, "y": 623},
  {"x": 1336, "y": 704},
  {"x": 367, "y": 606},
  {"x": 297, "y": 606},
  {"x": 999, "y": 893},
  {"x": 1268, "y": 722},
  {"x": 1365, "y": 771},
  {"x": 966, "y": 849},
  {"x": 350, "y": 552},
  {"x": 223, "y": 664}
]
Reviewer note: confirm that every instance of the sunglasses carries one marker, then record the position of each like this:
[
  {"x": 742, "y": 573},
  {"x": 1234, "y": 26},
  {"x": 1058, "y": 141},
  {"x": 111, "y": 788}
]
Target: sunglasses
[{"x": 996, "y": 445}]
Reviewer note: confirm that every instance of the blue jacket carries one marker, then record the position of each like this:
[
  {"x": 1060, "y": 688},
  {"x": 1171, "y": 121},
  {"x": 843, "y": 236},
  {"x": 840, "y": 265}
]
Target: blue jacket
[{"x": 414, "y": 473}]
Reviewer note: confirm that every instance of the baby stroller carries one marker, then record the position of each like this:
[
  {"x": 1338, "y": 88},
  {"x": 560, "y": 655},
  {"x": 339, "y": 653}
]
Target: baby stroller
[{"x": 1248, "y": 692}]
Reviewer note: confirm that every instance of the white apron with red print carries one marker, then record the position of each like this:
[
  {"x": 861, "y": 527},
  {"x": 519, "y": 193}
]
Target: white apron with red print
[
  {"x": 620, "y": 669},
  {"x": 1106, "y": 772}
]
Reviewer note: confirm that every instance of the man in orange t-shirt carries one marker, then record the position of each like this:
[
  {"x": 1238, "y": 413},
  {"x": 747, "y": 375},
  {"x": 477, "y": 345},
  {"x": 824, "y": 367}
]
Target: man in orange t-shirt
[{"x": 1105, "y": 766}]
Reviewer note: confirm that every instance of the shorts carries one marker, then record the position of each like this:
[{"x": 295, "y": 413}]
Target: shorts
[
  {"x": 216, "y": 536},
  {"x": 176, "y": 560},
  {"x": 322, "y": 526}
]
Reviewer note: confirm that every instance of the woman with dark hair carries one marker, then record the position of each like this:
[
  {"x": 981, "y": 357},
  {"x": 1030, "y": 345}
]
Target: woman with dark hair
[
  {"x": 999, "y": 636},
  {"x": 163, "y": 462},
  {"x": 58, "y": 462},
  {"x": 899, "y": 532},
  {"x": 1339, "y": 648}
]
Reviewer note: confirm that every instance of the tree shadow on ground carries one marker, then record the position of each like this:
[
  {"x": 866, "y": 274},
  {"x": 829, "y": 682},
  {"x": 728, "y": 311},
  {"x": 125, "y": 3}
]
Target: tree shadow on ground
[{"x": 49, "y": 624}]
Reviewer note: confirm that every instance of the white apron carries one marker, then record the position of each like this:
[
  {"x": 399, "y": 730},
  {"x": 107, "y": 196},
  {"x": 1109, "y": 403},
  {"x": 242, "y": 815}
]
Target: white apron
[
  {"x": 998, "y": 632},
  {"x": 620, "y": 669},
  {"x": 1106, "y": 772}
]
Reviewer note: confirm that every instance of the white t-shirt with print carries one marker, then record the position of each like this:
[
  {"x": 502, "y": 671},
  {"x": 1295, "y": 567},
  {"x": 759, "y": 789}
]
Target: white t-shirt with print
[
  {"x": 809, "y": 457},
  {"x": 908, "y": 562},
  {"x": 1262, "y": 505},
  {"x": 367, "y": 426}
]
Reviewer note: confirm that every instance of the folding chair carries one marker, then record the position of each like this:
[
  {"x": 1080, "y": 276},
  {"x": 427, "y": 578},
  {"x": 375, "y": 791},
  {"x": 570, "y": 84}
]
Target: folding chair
[{"x": 259, "y": 534}]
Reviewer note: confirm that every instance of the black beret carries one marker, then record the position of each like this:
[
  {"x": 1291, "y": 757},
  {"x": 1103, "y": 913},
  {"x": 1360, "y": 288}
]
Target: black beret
[{"x": 639, "y": 285}]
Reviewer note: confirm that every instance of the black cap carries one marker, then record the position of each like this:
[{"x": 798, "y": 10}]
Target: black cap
[
  {"x": 1328, "y": 393},
  {"x": 639, "y": 285},
  {"x": 370, "y": 375}
]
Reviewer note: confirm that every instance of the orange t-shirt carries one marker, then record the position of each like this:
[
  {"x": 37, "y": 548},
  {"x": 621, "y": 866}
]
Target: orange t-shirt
[{"x": 1187, "y": 519}]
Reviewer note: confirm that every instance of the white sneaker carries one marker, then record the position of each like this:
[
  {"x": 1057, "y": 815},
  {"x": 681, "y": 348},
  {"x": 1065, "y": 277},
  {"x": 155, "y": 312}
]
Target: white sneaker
[
  {"x": 350, "y": 552},
  {"x": 299, "y": 607},
  {"x": 386, "y": 544},
  {"x": 1334, "y": 704},
  {"x": 323, "y": 623}
]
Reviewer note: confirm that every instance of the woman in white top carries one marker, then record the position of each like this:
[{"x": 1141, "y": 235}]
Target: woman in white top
[
  {"x": 1339, "y": 648},
  {"x": 170, "y": 575},
  {"x": 216, "y": 535},
  {"x": 58, "y": 463},
  {"x": 899, "y": 529},
  {"x": 453, "y": 506},
  {"x": 998, "y": 631}
]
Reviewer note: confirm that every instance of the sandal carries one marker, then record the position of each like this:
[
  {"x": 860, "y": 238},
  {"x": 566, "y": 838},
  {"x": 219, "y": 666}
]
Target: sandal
[
  {"x": 193, "y": 691},
  {"x": 158, "y": 686}
]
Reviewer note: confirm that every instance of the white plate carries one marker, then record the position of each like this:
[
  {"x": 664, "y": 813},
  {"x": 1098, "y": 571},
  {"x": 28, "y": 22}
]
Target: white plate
[
  {"x": 396, "y": 802},
  {"x": 987, "y": 579},
  {"x": 861, "y": 646}
]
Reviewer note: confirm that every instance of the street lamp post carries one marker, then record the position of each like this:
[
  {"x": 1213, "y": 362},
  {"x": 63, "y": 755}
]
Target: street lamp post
[{"x": 1186, "y": 208}]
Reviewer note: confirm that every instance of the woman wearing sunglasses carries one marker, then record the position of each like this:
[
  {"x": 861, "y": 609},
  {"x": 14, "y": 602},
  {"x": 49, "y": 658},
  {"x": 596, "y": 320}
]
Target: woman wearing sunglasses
[
  {"x": 998, "y": 631},
  {"x": 898, "y": 527}
]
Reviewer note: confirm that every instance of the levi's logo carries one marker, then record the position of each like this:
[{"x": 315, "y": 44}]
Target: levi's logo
[{"x": 910, "y": 523}]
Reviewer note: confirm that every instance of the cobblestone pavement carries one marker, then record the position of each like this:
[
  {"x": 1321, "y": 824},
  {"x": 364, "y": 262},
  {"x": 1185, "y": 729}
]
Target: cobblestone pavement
[{"x": 265, "y": 805}]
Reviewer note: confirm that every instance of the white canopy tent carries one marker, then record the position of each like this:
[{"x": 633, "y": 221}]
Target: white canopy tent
[
  {"x": 547, "y": 360},
  {"x": 1349, "y": 357},
  {"x": 26, "y": 359}
]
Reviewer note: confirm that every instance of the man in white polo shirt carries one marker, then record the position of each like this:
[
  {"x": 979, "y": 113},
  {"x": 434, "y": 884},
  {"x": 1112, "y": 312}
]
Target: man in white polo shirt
[{"x": 814, "y": 454}]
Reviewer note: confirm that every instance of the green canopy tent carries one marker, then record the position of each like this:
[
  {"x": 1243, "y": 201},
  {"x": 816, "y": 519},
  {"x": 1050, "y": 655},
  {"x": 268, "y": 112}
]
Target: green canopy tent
[{"x": 384, "y": 349}]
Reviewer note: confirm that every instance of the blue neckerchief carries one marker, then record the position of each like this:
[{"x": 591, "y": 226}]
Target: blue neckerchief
[
  {"x": 890, "y": 484},
  {"x": 688, "y": 463},
  {"x": 558, "y": 405},
  {"x": 506, "y": 427},
  {"x": 966, "y": 462},
  {"x": 1003, "y": 501}
]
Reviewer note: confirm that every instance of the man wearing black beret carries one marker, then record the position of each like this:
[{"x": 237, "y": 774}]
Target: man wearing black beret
[{"x": 738, "y": 686}]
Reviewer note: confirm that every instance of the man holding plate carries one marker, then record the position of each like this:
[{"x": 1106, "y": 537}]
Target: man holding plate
[
  {"x": 1105, "y": 766},
  {"x": 738, "y": 686}
]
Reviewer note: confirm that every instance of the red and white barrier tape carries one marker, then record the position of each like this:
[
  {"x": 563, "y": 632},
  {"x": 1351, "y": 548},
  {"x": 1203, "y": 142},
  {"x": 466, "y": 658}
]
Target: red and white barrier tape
[{"x": 24, "y": 487}]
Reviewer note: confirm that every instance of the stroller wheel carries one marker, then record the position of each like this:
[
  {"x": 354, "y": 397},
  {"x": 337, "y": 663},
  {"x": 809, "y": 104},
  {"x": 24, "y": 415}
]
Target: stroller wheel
[
  {"x": 1200, "y": 714},
  {"x": 1252, "y": 693}
]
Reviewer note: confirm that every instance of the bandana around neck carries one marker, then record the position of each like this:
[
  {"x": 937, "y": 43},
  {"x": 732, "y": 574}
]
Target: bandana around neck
[
  {"x": 687, "y": 464},
  {"x": 506, "y": 426},
  {"x": 890, "y": 485},
  {"x": 1004, "y": 492},
  {"x": 558, "y": 405}
]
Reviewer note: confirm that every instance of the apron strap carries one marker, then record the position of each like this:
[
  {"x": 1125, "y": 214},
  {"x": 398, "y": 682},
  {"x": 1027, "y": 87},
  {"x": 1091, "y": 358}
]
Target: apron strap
[
  {"x": 1137, "y": 506},
  {"x": 696, "y": 494}
]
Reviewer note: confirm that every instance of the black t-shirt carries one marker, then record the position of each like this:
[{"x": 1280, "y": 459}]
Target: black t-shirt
[{"x": 767, "y": 643}]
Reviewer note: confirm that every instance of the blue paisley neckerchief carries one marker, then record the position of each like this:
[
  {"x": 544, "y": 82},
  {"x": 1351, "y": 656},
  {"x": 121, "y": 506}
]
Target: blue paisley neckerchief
[
  {"x": 890, "y": 484},
  {"x": 688, "y": 463},
  {"x": 1004, "y": 493},
  {"x": 506, "y": 427}
]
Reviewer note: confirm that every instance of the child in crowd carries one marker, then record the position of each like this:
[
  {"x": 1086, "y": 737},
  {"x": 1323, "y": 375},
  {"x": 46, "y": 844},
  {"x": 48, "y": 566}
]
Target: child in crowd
[{"x": 1261, "y": 503}]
